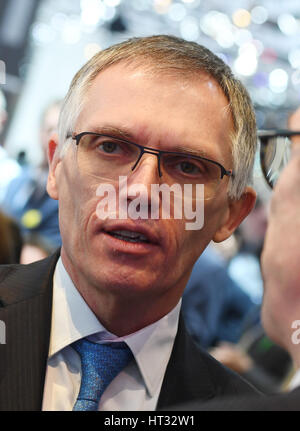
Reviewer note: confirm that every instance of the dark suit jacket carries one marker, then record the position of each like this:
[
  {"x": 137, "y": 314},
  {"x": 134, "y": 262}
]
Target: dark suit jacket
[
  {"x": 25, "y": 308},
  {"x": 288, "y": 401}
]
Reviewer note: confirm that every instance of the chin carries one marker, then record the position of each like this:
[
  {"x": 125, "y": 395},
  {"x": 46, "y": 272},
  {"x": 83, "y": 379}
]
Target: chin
[{"x": 119, "y": 277}]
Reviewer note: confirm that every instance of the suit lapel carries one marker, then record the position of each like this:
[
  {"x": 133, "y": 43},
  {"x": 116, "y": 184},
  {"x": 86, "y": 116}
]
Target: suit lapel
[
  {"x": 26, "y": 310},
  {"x": 187, "y": 377}
]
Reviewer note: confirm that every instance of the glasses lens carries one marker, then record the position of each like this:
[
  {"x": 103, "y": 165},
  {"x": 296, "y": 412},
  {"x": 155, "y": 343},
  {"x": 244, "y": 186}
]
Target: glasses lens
[
  {"x": 105, "y": 157},
  {"x": 275, "y": 154},
  {"x": 187, "y": 170},
  {"x": 108, "y": 158}
]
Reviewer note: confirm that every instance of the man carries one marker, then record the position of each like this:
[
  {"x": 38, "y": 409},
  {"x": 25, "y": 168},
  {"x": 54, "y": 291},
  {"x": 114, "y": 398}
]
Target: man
[{"x": 154, "y": 110}]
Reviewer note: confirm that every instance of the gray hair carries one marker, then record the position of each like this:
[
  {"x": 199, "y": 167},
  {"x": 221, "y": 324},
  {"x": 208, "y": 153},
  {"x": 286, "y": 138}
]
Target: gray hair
[{"x": 174, "y": 55}]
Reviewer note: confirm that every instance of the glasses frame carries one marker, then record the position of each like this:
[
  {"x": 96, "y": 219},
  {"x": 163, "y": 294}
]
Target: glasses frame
[
  {"x": 264, "y": 136},
  {"x": 153, "y": 151}
]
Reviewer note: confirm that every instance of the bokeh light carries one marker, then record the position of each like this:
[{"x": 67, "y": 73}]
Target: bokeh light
[
  {"x": 278, "y": 80},
  {"x": 189, "y": 28},
  {"x": 241, "y": 18},
  {"x": 246, "y": 62},
  {"x": 294, "y": 58},
  {"x": 177, "y": 12},
  {"x": 259, "y": 15},
  {"x": 288, "y": 24},
  {"x": 161, "y": 6}
]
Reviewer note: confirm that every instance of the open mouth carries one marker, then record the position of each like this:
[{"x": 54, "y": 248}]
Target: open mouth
[{"x": 129, "y": 236}]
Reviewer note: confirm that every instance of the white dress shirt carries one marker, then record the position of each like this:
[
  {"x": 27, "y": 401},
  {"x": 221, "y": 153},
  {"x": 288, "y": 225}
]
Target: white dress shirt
[{"x": 137, "y": 387}]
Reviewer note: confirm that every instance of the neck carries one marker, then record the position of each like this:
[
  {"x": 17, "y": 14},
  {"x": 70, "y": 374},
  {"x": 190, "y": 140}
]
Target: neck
[{"x": 120, "y": 314}]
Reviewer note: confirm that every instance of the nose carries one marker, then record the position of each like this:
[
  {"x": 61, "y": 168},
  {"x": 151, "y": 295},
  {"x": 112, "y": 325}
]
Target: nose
[
  {"x": 153, "y": 152},
  {"x": 139, "y": 183},
  {"x": 147, "y": 170}
]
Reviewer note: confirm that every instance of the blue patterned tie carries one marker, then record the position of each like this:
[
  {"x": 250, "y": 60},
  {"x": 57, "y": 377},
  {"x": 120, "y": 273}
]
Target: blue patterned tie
[{"x": 100, "y": 364}]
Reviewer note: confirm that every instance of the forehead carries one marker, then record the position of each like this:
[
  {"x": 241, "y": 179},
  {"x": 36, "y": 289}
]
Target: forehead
[{"x": 160, "y": 109}]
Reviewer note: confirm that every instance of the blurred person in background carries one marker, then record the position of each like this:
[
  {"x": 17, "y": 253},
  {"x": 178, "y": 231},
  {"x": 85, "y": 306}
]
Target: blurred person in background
[
  {"x": 244, "y": 266},
  {"x": 9, "y": 168},
  {"x": 222, "y": 318},
  {"x": 27, "y": 200},
  {"x": 35, "y": 248},
  {"x": 214, "y": 306},
  {"x": 10, "y": 241}
]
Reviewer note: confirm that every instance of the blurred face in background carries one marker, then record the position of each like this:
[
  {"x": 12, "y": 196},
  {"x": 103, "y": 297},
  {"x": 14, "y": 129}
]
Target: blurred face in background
[
  {"x": 48, "y": 128},
  {"x": 3, "y": 113},
  {"x": 3, "y": 118}
]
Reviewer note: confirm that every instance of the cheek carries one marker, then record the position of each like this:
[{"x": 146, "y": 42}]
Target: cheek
[
  {"x": 193, "y": 236},
  {"x": 77, "y": 217},
  {"x": 197, "y": 239},
  {"x": 194, "y": 244},
  {"x": 77, "y": 203}
]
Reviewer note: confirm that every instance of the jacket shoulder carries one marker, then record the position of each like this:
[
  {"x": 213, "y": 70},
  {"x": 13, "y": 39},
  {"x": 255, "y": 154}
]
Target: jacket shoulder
[
  {"x": 193, "y": 374},
  {"x": 22, "y": 282},
  {"x": 226, "y": 382}
]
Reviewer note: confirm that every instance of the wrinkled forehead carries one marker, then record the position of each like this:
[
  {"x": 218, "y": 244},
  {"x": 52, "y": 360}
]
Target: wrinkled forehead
[
  {"x": 181, "y": 78},
  {"x": 152, "y": 68}
]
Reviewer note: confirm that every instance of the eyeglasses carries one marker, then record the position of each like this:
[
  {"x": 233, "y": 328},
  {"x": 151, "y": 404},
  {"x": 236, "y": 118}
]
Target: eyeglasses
[
  {"x": 107, "y": 157},
  {"x": 275, "y": 149}
]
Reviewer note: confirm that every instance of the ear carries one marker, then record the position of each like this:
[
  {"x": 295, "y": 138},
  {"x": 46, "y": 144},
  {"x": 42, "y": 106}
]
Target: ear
[
  {"x": 238, "y": 209},
  {"x": 53, "y": 160}
]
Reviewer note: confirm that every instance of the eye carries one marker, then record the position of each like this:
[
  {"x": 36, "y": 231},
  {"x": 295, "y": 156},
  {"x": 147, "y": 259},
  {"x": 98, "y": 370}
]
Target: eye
[
  {"x": 193, "y": 168},
  {"x": 183, "y": 166},
  {"x": 190, "y": 168},
  {"x": 109, "y": 147}
]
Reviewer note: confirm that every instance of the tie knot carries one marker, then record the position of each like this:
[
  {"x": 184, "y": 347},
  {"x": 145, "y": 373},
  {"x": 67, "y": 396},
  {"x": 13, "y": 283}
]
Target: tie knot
[
  {"x": 100, "y": 364},
  {"x": 85, "y": 348}
]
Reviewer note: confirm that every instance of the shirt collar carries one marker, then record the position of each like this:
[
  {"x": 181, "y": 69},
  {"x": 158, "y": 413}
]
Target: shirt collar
[{"x": 72, "y": 319}]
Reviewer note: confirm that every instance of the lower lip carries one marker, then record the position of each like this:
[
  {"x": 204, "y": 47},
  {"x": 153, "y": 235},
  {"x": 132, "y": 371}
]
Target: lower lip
[{"x": 129, "y": 247}]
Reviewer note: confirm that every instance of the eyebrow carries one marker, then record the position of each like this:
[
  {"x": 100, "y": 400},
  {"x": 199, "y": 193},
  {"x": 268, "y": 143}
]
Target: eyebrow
[
  {"x": 127, "y": 135},
  {"x": 192, "y": 152},
  {"x": 114, "y": 131}
]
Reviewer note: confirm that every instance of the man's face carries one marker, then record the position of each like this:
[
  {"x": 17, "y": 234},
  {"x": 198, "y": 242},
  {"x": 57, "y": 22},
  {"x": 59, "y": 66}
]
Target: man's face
[{"x": 165, "y": 113}]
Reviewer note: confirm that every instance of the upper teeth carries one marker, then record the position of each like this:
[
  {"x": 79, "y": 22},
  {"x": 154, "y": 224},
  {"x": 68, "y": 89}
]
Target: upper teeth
[{"x": 130, "y": 234}]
